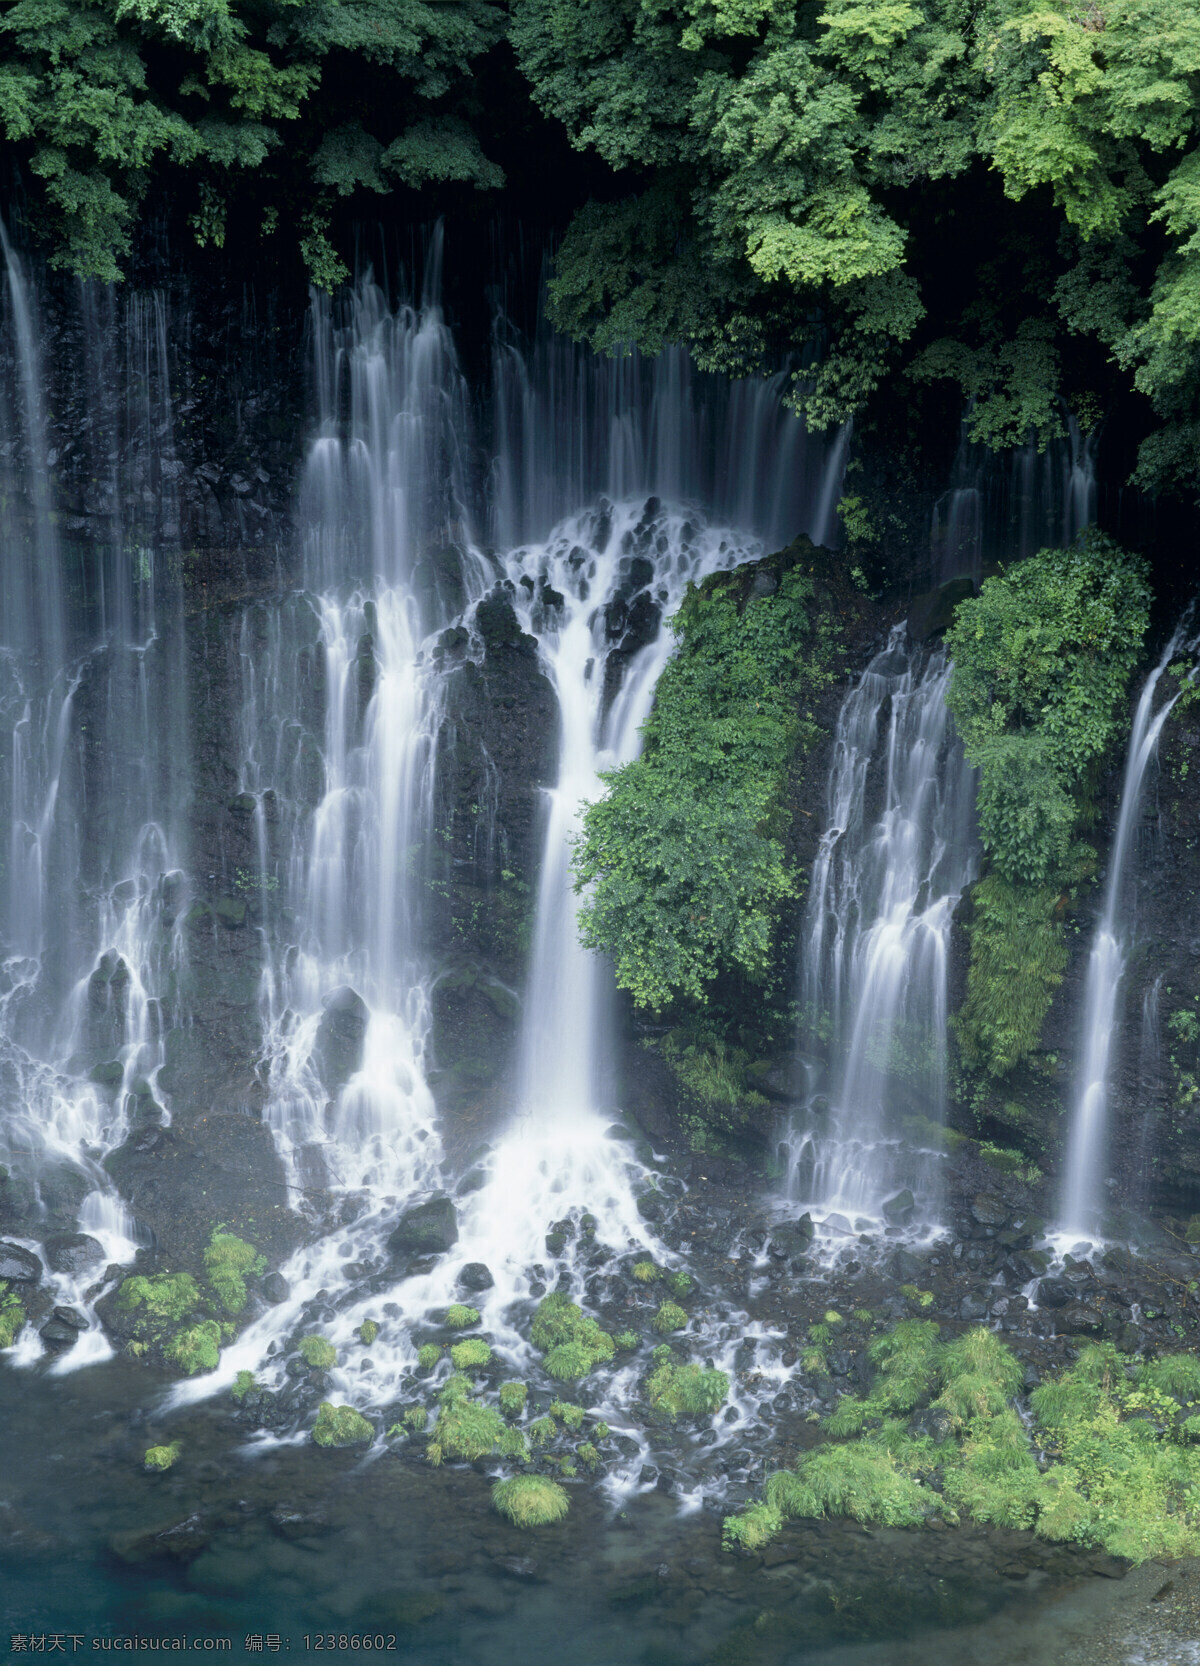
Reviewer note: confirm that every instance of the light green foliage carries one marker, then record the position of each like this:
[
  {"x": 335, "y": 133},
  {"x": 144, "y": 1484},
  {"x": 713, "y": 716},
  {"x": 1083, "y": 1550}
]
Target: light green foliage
[
  {"x": 468, "y": 1430},
  {"x": 471, "y": 1355},
  {"x": 198, "y": 1348},
  {"x": 530, "y": 1500},
  {"x": 626, "y": 1340},
  {"x": 341, "y": 1426},
  {"x": 785, "y": 161},
  {"x": 428, "y": 1355},
  {"x": 669, "y": 1317},
  {"x": 12, "y": 1316},
  {"x": 542, "y": 1431},
  {"x": 158, "y": 1458},
  {"x": 682, "y": 864},
  {"x": 163, "y": 1296},
  {"x": 244, "y": 1383},
  {"x": 587, "y": 1454},
  {"x": 461, "y": 1317},
  {"x": 573, "y": 1343},
  {"x": 1042, "y": 660},
  {"x": 568, "y": 1414},
  {"x": 227, "y": 1261},
  {"x": 646, "y": 1272},
  {"x": 416, "y": 1418},
  {"x": 368, "y": 1331},
  {"x": 242, "y": 103},
  {"x": 318, "y": 1352},
  {"x": 512, "y": 1398},
  {"x": 685, "y": 1390},
  {"x": 1125, "y": 1475}
]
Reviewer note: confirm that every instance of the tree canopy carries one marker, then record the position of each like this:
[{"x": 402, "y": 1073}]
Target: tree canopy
[{"x": 998, "y": 195}]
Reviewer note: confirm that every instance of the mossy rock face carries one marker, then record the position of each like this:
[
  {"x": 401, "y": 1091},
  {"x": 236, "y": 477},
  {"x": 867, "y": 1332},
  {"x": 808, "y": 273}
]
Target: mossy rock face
[
  {"x": 429, "y": 1228},
  {"x": 530, "y": 1500},
  {"x": 341, "y": 1426}
]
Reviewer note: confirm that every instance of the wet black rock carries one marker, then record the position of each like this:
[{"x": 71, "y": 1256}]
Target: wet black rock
[
  {"x": 291, "y": 1523},
  {"x": 989, "y": 1210},
  {"x": 934, "y": 1423},
  {"x": 1054, "y": 1292},
  {"x": 61, "y": 1330},
  {"x": 898, "y": 1210},
  {"x": 72, "y": 1252},
  {"x": 973, "y": 1306},
  {"x": 652, "y": 1206},
  {"x": 1078, "y": 1320},
  {"x": 792, "y": 1239},
  {"x": 476, "y": 1276},
  {"x": 340, "y": 1036},
  {"x": 19, "y": 1266},
  {"x": 275, "y": 1289},
  {"x": 428, "y": 1228},
  {"x": 907, "y": 1268},
  {"x": 182, "y": 1540}
]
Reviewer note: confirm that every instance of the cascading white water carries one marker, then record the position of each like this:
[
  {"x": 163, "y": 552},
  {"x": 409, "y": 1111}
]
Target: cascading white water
[
  {"x": 89, "y": 932},
  {"x": 897, "y": 852},
  {"x": 1082, "y": 1205}
]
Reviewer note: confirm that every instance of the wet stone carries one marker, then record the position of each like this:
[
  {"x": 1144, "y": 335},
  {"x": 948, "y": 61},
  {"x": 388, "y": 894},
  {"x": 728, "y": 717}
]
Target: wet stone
[
  {"x": 476, "y": 1276},
  {"x": 72, "y": 1252},
  {"x": 1077, "y": 1320},
  {"x": 898, "y": 1210},
  {"x": 989, "y": 1210},
  {"x": 1054, "y": 1292},
  {"x": 19, "y": 1266},
  {"x": 275, "y": 1289},
  {"x": 427, "y": 1228}
]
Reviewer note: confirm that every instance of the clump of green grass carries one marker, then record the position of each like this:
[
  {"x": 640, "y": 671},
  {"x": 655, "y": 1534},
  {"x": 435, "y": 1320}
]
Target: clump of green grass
[
  {"x": 318, "y": 1353},
  {"x": 467, "y": 1429},
  {"x": 228, "y": 1260},
  {"x": 341, "y": 1426},
  {"x": 684, "y": 1390},
  {"x": 626, "y": 1341},
  {"x": 428, "y": 1355},
  {"x": 198, "y": 1348},
  {"x": 646, "y": 1272},
  {"x": 244, "y": 1383},
  {"x": 573, "y": 1343},
  {"x": 1124, "y": 1471},
  {"x": 461, "y": 1317},
  {"x": 471, "y": 1355},
  {"x": 512, "y": 1398},
  {"x": 669, "y": 1317},
  {"x": 530, "y": 1500},
  {"x": 568, "y": 1414}
]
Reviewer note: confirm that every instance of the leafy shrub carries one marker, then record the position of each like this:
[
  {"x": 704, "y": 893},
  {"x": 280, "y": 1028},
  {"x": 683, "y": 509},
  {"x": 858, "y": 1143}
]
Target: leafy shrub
[
  {"x": 162, "y": 1296},
  {"x": 244, "y": 1383},
  {"x": 686, "y": 1390},
  {"x": 512, "y": 1398},
  {"x": 568, "y": 1414},
  {"x": 12, "y": 1316},
  {"x": 669, "y": 1317}
]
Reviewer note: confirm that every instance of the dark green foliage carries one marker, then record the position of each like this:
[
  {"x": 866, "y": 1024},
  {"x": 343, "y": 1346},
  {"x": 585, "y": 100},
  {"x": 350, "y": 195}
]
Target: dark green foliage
[
  {"x": 162, "y": 1296},
  {"x": 12, "y": 1316},
  {"x": 683, "y": 862},
  {"x": 796, "y": 170},
  {"x": 1042, "y": 660},
  {"x": 232, "y": 97}
]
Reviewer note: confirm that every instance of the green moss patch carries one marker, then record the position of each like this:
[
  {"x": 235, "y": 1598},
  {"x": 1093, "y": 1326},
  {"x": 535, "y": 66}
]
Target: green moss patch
[
  {"x": 318, "y": 1352},
  {"x": 244, "y": 1383},
  {"x": 471, "y": 1355},
  {"x": 512, "y": 1398},
  {"x": 428, "y": 1355},
  {"x": 461, "y": 1317},
  {"x": 467, "y": 1429},
  {"x": 530, "y": 1500},
  {"x": 669, "y": 1317},
  {"x": 158, "y": 1458}
]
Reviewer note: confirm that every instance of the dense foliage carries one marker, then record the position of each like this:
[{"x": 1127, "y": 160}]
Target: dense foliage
[
  {"x": 1042, "y": 660},
  {"x": 1125, "y": 1469},
  {"x": 291, "y": 103},
  {"x": 683, "y": 863},
  {"x": 799, "y": 174}
]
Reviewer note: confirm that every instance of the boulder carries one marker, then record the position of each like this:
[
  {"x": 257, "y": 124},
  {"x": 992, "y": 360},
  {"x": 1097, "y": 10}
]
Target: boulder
[
  {"x": 61, "y": 1330},
  {"x": 898, "y": 1210},
  {"x": 17, "y": 1265},
  {"x": 973, "y": 1306},
  {"x": 476, "y": 1276},
  {"x": 907, "y": 1268},
  {"x": 73, "y": 1252},
  {"x": 989, "y": 1210},
  {"x": 1054, "y": 1292},
  {"x": 792, "y": 1239},
  {"x": 1077, "y": 1320},
  {"x": 935, "y": 1423},
  {"x": 340, "y": 1036},
  {"x": 275, "y": 1289},
  {"x": 428, "y": 1228}
]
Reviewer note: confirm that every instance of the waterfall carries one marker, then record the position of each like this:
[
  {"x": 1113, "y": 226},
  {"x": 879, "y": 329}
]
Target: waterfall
[
  {"x": 92, "y": 738},
  {"x": 1087, "y": 1140},
  {"x": 897, "y": 852}
]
